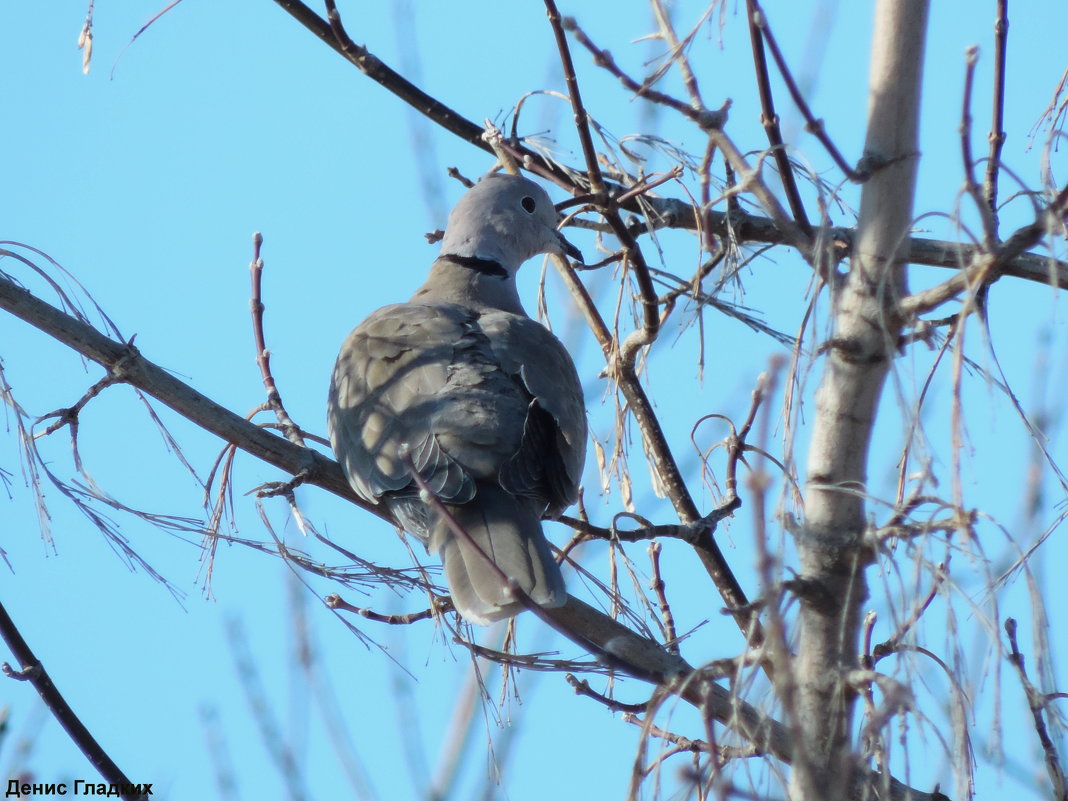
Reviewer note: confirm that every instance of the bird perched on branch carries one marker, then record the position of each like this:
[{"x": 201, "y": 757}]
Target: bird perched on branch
[{"x": 482, "y": 402}]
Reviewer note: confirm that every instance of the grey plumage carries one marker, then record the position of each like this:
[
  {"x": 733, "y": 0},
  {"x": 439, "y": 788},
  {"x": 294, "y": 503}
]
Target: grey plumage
[{"x": 485, "y": 401}]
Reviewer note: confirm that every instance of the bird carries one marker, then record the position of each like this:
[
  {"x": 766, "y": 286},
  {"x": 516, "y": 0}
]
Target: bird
[{"x": 462, "y": 387}]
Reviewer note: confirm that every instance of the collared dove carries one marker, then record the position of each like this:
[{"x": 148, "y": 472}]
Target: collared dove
[{"x": 482, "y": 400}]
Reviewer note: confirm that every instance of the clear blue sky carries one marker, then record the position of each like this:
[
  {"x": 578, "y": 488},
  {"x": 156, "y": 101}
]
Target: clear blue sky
[{"x": 147, "y": 178}]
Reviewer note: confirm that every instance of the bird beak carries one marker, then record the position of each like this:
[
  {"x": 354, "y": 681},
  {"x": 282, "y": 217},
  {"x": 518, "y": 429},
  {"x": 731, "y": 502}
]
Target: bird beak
[{"x": 569, "y": 249}]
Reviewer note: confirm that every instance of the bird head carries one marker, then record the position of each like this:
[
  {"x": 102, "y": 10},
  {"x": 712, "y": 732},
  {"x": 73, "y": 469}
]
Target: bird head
[{"x": 506, "y": 219}]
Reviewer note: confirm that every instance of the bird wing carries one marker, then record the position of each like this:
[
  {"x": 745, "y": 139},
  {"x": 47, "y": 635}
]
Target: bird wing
[
  {"x": 553, "y": 450},
  {"x": 473, "y": 396},
  {"x": 422, "y": 378}
]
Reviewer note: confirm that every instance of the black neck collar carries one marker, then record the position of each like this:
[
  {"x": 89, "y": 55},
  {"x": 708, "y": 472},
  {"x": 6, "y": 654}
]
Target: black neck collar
[{"x": 484, "y": 266}]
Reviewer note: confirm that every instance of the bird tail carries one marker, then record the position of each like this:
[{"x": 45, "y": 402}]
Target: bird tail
[{"x": 508, "y": 531}]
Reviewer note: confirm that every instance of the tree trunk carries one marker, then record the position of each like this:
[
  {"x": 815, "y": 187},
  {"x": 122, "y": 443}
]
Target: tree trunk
[{"x": 831, "y": 545}]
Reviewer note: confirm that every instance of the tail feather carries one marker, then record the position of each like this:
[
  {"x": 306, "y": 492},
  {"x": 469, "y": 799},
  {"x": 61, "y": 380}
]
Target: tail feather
[{"x": 507, "y": 530}]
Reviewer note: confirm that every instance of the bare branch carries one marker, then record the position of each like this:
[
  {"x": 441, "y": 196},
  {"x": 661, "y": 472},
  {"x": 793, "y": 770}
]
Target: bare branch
[
  {"x": 758, "y": 30},
  {"x": 997, "y": 129},
  {"x": 813, "y": 125},
  {"x": 669, "y": 212},
  {"x": 582, "y": 687},
  {"x": 643, "y": 659},
  {"x": 657, "y": 583},
  {"x": 680, "y": 742},
  {"x": 662, "y": 460},
  {"x": 34, "y": 672},
  {"x": 263, "y": 355},
  {"x": 986, "y": 266},
  {"x": 582, "y": 127},
  {"x": 442, "y": 605},
  {"x": 970, "y": 184},
  {"x": 632, "y": 253},
  {"x": 704, "y": 118},
  {"x": 130, "y": 367},
  {"x": 1037, "y": 702}
]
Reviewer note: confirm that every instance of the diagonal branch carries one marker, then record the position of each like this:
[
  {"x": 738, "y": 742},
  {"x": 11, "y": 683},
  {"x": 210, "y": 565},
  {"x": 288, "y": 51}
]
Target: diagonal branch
[
  {"x": 644, "y": 659},
  {"x": 662, "y": 459},
  {"x": 632, "y": 252},
  {"x": 622, "y": 648},
  {"x": 128, "y": 365},
  {"x": 1038, "y": 703},
  {"x": 582, "y": 123},
  {"x": 34, "y": 672},
  {"x": 812, "y": 125},
  {"x": 665, "y": 212},
  {"x": 758, "y": 31}
]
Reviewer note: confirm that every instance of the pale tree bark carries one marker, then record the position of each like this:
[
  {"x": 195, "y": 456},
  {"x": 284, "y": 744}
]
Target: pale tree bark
[{"x": 831, "y": 543}]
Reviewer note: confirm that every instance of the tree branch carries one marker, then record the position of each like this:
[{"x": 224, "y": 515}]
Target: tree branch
[
  {"x": 666, "y": 212},
  {"x": 34, "y": 672},
  {"x": 997, "y": 128},
  {"x": 618, "y": 646},
  {"x": 758, "y": 30},
  {"x": 644, "y": 659},
  {"x": 1037, "y": 703},
  {"x": 127, "y": 364}
]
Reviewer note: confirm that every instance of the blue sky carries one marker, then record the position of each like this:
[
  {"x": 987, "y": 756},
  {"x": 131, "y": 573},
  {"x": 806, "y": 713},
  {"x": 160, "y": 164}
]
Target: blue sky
[{"x": 147, "y": 178}]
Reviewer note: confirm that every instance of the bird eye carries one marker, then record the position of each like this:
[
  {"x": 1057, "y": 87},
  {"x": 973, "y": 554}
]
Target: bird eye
[{"x": 528, "y": 204}]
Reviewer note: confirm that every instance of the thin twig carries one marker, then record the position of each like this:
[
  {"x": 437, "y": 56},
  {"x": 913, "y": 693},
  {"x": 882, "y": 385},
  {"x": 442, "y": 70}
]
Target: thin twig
[
  {"x": 687, "y": 533},
  {"x": 997, "y": 127},
  {"x": 891, "y": 644},
  {"x": 224, "y": 500},
  {"x": 632, "y": 252},
  {"x": 442, "y": 605},
  {"x": 678, "y": 51},
  {"x": 582, "y": 125},
  {"x": 704, "y": 118},
  {"x": 813, "y": 125},
  {"x": 263, "y": 355},
  {"x": 758, "y": 30},
  {"x": 680, "y": 742},
  {"x": 970, "y": 184},
  {"x": 69, "y": 415},
  {"x": 986, "y": 266},
  {"x": 711, "y": 122},
  {"x": 1037, "y": 702},
  {"x": 657, "y": 583},
  {"x": 528, "y": 661},
  {"x": 582, "y": 687}
]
